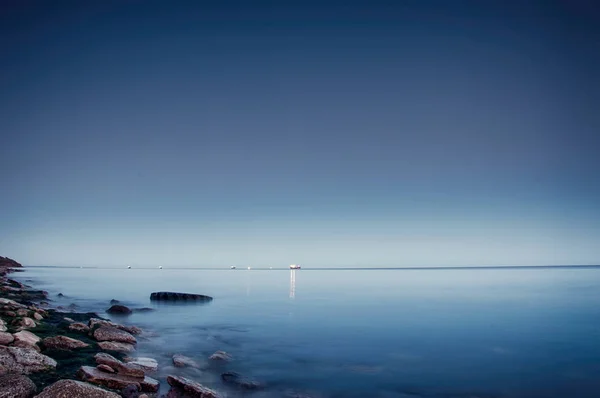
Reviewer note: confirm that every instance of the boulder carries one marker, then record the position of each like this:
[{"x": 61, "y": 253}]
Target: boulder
[
  {"x": 181, "y": 361},
  {"x": 116, "y": 346},
  {"x": 191, "y": 388},
  {"x": 26, "y": 339},
  {"x": 173, "y": 296},
  {"x": 220, "y": 356},
  {"x": 116, "y": 381},
  {"x": 73, "y": 388},
  {"x": 109, "y": 333},
  {"x": 16, "y": 386},
  {"x": 121, "y": 368},
  {"x": 240, "y": 381},
  {"x": 94, "y": 322},
  {"x": 63, "y": 343},
  {"x": 6, "y": 338},
  {"x": 105, "y": 368},
  {"x": 25, "y": 323},
  {"x": 24, "y": 360},
  {"x": 148, "y": 364},
  {"x": 3, "y": 327},
  {"x": 119, "y": 309},
  {"x": 79, "y": 327},
  {"x": 37, "y": 316}
]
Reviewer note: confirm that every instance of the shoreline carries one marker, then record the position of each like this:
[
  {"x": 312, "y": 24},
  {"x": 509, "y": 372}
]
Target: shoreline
[{"x": 46, "y": 352}]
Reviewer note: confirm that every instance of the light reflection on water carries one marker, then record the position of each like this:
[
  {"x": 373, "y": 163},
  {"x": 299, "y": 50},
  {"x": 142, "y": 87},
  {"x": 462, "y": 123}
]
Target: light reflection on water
[{"x": 430, "y": 333}]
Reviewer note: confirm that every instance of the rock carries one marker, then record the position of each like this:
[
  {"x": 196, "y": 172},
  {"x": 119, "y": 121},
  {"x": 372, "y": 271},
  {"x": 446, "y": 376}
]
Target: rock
[
  {"x": 148, "y": 364},
  {"x": 72, "y": 388},
  {"x": 131, "y": 391},
  {"x": 24, "y": 360},
  {"x": 113, "y": 302},
  {"x": 23, "y": 312},
  {"x": 105, "y": 368},
  {"x": 6, "y": 262},
  {"x": 182, "y": 361},
  {"x": 3, "y": 327},
  {"x": 220, "y": 356},
  {"x": 60, "y": 295},
  {"x": 69, "y": 319},
  {"x": 116, "y": 381},
  {"x": 173, "y": 296},
  {"x": 63, "y": 343},
  {"x": 11, "y": 314},
  {"x": 16, "y": 386},
  {"x": 119, "y": 309},
  {"x": 116, "y": 346},
  {"x": 37, "y": 316},
  {"x": 192, "y": 388},
  {"x": 79, "y": 327},
  {"x": 143, "y": 396},
  {"x": 25, "y": 323},
  {"x": 26, "y": 339},
  {"x": 121, "y": 368},
  {"x": 94, "y": 322},
  {"x": 10, "y": 304},
  {"x": 109, "y": 333},
  {"x": 6, "y": 338},
  {"x": 240, "y": 381}
]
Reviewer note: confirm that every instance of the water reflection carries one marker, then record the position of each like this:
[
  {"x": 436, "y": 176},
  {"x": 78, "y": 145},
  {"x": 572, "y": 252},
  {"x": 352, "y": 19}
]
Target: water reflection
[{"x": 292, "y": 283}]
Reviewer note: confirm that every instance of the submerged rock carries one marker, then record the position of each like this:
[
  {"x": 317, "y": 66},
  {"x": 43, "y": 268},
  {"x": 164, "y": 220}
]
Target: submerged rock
[
  {"x": 148, "y": 364},
  {"x": 191, "y": 388},
  {"x": 63, "y": 343},
  {"x": 116, "y": 381},
  {"x": 16, "y": 386},
  {"x": 173, "y": 296},
  {"x": 116, "y": 346},
  {"x": 220, "y": 356},
  {"x": 127, "y": 369},
  {"x": 74, "y": 388},
  {"x": 119, "y": 309},
  {"x": 130, "y": 391},
  {"x": 182, "y": 361},
  {"x": 109, "y": 333},
  {"x": 24, "y": 360},
  {"x": 240, "y": 381}
]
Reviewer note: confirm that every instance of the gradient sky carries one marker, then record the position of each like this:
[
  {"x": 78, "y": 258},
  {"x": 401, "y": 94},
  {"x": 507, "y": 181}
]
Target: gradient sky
[{"x": 322, "y": 133}]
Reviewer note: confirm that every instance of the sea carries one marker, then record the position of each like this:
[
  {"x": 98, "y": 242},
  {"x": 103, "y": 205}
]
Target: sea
[{"x": 401, "y": 333}]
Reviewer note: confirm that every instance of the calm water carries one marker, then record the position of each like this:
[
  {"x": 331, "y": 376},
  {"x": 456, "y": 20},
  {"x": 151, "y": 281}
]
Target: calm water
[{"x": 356, "y": 333}]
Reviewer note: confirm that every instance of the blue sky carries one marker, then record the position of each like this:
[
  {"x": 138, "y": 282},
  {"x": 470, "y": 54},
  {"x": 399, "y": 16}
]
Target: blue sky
[{"x": 327, "y": 134}]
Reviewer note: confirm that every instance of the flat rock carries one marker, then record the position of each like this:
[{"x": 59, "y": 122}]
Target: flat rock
[
  {"x": 63, "y": 343},
  {"x": 25, "y": 323},
  {"x": 16, "y": 386},
  {"x": 105, "y": 368},
  {"x": 174, "y": 296},
  {"x": 37, "y": 316},
  {"x": 3, "y": 327},
  {"x": 181, "y": 361},
  {"x": 191, "y": 388},
  {"x": 116, "y": 346},
  {"x": 109, "y": 333},
  {"x": 26, "y": 339},
  {"x": 121, "y": 368},
  {"x": 6, "y": 338},
  {"x": 116, "y": 381},
  {"x": 10, "y": 304},
  {"x": 101, "y": 322},
  {"x": 24, "y": 360},
  {"x": 73, "y": 388},
  {"x": 119, "y": 309},
  {"x": 148, "y": 364},
  {"x": 220, "y": 356},
  {"x": 79, "y": 327},
  {"x": 240, "y": 381}
]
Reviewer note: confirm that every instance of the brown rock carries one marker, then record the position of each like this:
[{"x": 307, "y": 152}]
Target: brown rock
[
  {"x": 63, "y": 343},
  {"x": 26, "y": 339},
  {"x": 116, "y": 346},
  {"x": 182, "y": 361},
  {"x": 25, "y": 323},
  {"x": 192, "y": 388},
  {"x": 116, "y": 381},
  {"x": 79, "y": 327},
  {"x": 148, "y": 364},
  {"x": 127, "y": 369},
  {"x": 105, "y": 368},
  {"x": 11, "y": 314},
  {"x": 109, "y": 333},
  {"x": 24, "y": 360},
  {"x": 23, "y": 312},
  {"x": 6, "y": 338},
  {"x": 3, "y": 327},
  {"x": 73, "y": 388},
  {"x": 16, "y": 386},
  {"x": 101, "y": 322}
]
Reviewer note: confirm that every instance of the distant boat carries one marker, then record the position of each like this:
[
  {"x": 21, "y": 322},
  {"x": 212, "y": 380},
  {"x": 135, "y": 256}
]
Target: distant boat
[
  {"x": 294, "y": 266},
  {"x": 233, "y": 267},
  {"x": 129, "y": 267},
  {"x": 249, "y": 268},
  {"x": 160, "y": 267}
]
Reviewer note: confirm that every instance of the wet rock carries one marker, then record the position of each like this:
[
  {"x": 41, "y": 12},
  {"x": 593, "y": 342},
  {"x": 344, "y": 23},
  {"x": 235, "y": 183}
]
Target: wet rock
[
  {"x": 191, "y": 388},
  {"x": 74, "y": 388},
  {"x": 240, "y": 381},
  {"x": 79, "y": 327},
  {"x": 148, "y": 364},
  {"x": 116, "y": 381},
  {"x": 131, "y": 391},
  {"x": 63, "y": 343},
  {"x": 70, "y": 320},
  {"x": 23, "y": 312},
  {"x": 16, "y": 386},
  {"x": 113, "y": 302},
  {"x": 109, "y": 333},
  {"x": 182, "y": 361},
  {"x": 119, "y": 309},
  {"x": 26, "y": 339},
  {"x": 25, "y": 323},
  {"x": 105, "y": 368},
  {"x": 37, "y": 316},
  {"x": 220, "y": 356},
  {"x": 3, "y": 327},
  {"x": 95, "y": 322},
  {"x": 121, "y": 368},
  {"x": 6, "y": 338},
  {"x": 60, "y": 295},
  {"x": 24, "y": 360},
  {"x": 173, "y": 296},
  {"x": 116, "y": 346}
]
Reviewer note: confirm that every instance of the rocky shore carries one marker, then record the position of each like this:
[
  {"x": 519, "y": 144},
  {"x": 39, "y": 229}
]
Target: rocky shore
[{"x": 47, "y": 353}]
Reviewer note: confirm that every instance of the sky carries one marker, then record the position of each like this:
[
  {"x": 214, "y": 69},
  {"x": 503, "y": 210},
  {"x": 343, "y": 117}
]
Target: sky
[{"x": 217, "y": 133}]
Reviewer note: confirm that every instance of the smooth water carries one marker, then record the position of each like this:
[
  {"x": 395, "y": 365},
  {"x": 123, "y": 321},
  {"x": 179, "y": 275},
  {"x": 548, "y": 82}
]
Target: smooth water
[{"x": 356, "y": 333}]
